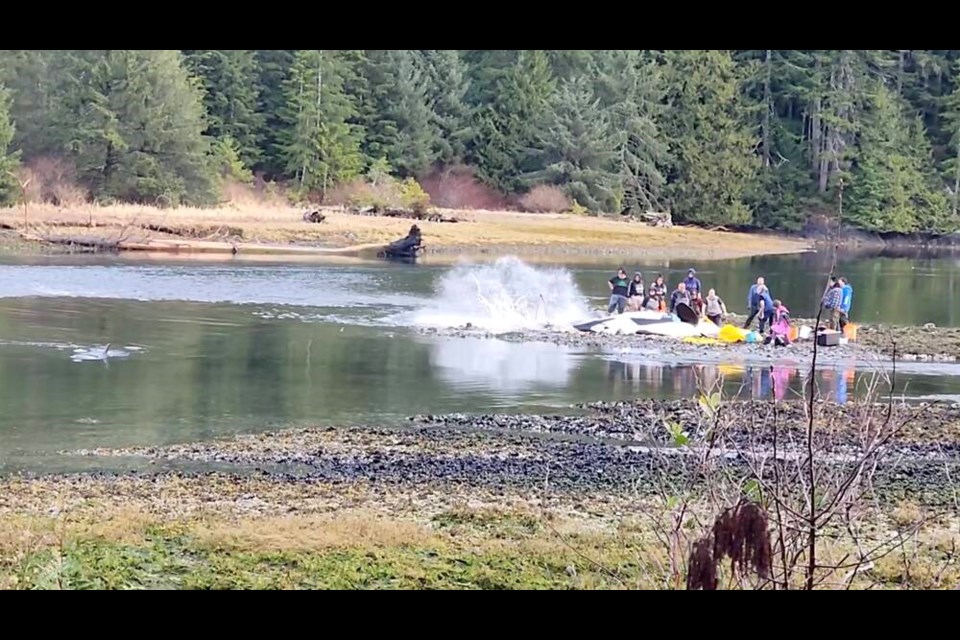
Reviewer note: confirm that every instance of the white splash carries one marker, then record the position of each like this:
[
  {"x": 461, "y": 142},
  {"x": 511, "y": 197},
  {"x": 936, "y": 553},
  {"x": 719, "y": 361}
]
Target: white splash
[{"x": 508, "y": 295}]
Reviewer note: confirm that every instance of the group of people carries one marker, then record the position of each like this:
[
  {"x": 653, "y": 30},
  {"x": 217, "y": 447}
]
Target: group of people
[
  {"x": 632, "y": 294},
  {"x": 772, "y": 312}
]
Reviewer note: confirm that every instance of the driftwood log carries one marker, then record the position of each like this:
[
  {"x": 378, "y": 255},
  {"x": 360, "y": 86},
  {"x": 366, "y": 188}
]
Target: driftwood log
[
  {"x": 658, "y": 218},
  {"x": 405, "y": 248},
  {"x": 86, "y": 244},
  {"x": 402, "y": 213}
]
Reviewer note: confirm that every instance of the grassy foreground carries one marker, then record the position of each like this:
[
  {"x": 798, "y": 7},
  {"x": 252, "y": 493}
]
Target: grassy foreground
[
  {"x": 216, "y": 532},
  {"x": 265, "y": 228}
]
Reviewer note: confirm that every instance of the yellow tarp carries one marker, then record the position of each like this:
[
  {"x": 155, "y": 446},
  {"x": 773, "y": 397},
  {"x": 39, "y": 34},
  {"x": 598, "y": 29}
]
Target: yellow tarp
[
  {"x": 702, "y": 341},
  {"x": 730, "y": 333}
]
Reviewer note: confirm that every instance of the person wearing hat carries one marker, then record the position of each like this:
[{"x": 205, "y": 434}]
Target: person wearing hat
[
  {"x": 694, "y": 287},
  {"x": 636, "y": 293}
]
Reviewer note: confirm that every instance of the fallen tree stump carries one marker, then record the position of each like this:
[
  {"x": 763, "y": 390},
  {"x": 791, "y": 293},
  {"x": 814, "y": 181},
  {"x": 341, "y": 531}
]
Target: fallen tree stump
[{"x": 314, "y": 217}]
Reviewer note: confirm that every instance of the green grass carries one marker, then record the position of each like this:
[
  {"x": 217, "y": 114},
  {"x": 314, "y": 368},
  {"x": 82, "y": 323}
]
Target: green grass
[
  {"x": 172, "y": 562},
  {"x": 129, "y": 547}
]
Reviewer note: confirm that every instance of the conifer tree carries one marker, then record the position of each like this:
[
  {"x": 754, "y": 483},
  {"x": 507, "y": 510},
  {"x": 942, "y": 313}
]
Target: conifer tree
[
  {"x": 714, "y": 164},
  {"x": 578, "y": 148},
  {"x": 630, "y": 89},
  {"x": 398, "y": 123},
  {"x": 447, "y": 86},
  {"x": 892, "y": 183},
  {"x": 951, "y": 164},
  {"x": 516, "y": 110},
  {"x": 319, "y": 145},
  {"x": 9, "y": 159},
  {"x": 273, "y": 67},
  {"x": 230, "y": 79}
]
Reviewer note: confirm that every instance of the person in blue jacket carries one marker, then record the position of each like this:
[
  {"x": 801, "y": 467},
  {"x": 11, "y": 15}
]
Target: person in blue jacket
[
  {"x": 846, "y": 302},
  {"x": 759, "y": 303}
]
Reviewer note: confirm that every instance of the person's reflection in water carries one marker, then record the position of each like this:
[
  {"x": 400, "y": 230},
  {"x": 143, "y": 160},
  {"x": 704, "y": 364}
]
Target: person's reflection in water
[
  {"x": 844, "y": 378},
  {"x": 708, "y": 376},
  {"x": 684, "y": 381},
  {"x": 766, "y": 386},
  {"x": 654, "y": 376},
  {"x": 614, "y": 371},
  {"x": 781, "y": 381}
]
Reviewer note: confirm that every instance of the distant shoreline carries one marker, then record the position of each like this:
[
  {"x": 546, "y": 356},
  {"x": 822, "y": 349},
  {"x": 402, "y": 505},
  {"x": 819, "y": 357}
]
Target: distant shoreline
[{"x": 281, "y": 231}]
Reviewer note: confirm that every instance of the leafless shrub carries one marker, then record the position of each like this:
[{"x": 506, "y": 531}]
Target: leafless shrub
[
  {"x": 458, "y": 188},
  {"x": 545, "y": 198},
  {"x": 53, "y": 180}
]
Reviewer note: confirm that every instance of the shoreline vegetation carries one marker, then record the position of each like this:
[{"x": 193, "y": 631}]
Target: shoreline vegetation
[
  {"x": 282, "y": 231},
  {"x": 488, "y": 502},
  {"x": 718, "y": 138}
]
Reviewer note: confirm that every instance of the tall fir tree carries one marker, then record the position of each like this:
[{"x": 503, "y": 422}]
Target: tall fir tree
[
  {"x": 515, "y": 108},
  {"x": 274, "y": 71},
  {"x": 951, "y": 164},
  {"x": 319, "y": 145},
  {"x": 398, "y": 123},
  {"x": 230, "y": 79},
  {"x": 9, "y": 159},
  {"x": 774, "y": 83},
  {"x": 35, "y": 79},
  {"x": 714, "y": 164},
  {"x": 133, "y": 122},
  {"x": 629, "y": 85},
  {"x": 447, "y": 87},
  {"x": 577, "y": 147},
  {"x": 893, "y": 185}
]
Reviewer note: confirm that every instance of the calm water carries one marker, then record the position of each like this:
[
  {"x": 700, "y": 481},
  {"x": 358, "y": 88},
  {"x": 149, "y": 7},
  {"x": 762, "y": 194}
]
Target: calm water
[{"x": 203, "y": 350}]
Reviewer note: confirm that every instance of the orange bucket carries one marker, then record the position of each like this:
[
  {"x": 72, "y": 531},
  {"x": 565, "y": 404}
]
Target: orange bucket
[
  {"x": 794, "y": 333},
  {"x": 850, "y": 332}
]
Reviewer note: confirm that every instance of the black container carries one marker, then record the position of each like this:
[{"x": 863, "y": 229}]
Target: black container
[{"x": 828, "y": 339}]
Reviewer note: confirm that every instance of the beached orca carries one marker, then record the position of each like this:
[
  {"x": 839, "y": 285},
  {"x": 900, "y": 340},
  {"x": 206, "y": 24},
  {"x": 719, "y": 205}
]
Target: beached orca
[{"x": 684, "y": 323}]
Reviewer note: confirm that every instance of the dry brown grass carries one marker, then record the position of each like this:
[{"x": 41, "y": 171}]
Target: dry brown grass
[
  {"x": 350, "y": 528},
  {"x": 277, "y": 225}
]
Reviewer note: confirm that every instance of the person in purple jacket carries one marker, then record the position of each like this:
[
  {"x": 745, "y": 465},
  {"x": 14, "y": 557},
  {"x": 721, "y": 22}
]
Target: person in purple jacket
[{"x": 694, "y": 289}]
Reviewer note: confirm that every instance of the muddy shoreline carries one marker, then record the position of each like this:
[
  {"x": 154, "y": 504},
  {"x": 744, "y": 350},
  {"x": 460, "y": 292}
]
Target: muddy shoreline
[
  {"x": 453, "y": 501},
  {"x": 620, "y": 450}
]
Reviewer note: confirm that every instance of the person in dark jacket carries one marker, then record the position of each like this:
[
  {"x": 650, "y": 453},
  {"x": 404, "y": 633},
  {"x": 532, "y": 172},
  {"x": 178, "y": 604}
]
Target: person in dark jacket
[
  {"x": 656, "y": 299},
  {"x": 678, "y": 296},
  {"x": 694, "y": 289},
  {"x": 760, "y": 303},
  {"x": 636, "y": 293},
  {"x": 619, "y": 290}
]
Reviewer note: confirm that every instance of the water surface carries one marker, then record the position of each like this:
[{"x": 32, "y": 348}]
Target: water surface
[{"x": 202, "y": 350}]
